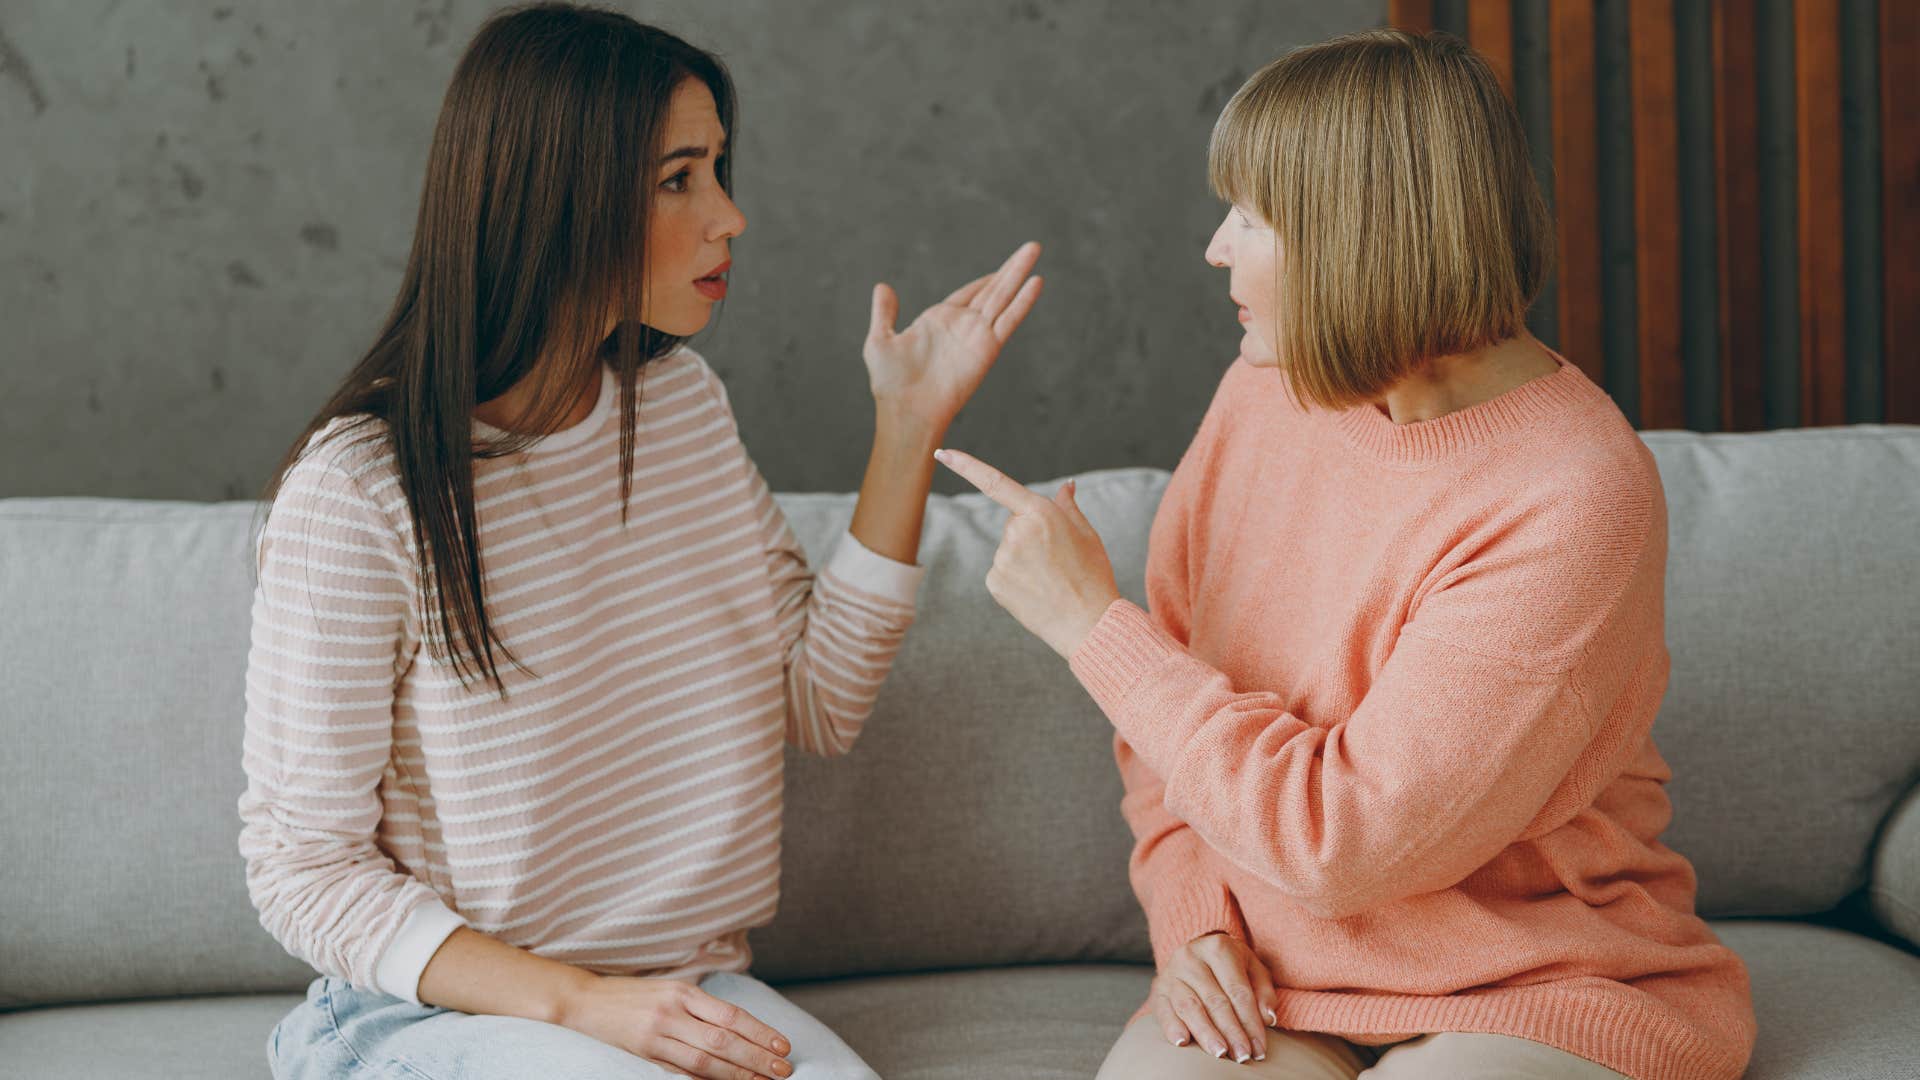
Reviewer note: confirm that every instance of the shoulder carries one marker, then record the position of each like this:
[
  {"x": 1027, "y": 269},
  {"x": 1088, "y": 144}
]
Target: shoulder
[{"x": 344, "y": 480}]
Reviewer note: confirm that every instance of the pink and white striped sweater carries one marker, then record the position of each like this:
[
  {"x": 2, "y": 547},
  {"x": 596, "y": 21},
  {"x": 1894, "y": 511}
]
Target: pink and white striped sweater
[{"x": 620, "y": 808}]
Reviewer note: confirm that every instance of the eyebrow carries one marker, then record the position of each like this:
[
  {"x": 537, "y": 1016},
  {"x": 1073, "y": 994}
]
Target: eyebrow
[{"x": 695, "y": 152}]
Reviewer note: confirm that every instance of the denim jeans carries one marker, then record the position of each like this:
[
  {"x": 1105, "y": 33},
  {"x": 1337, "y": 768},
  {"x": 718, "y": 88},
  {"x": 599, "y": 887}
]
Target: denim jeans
[{"x": 342, "y": 1031}]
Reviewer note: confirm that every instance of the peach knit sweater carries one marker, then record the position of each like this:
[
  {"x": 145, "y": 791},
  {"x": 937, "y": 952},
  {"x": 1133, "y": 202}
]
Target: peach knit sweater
[{"x": 1388, "y": 723}]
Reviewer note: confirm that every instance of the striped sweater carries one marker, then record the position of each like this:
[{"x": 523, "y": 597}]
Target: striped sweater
[{"x": 619, "y": 808}]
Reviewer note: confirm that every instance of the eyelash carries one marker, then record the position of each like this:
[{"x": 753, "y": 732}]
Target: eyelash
[{"x": 681, "y": 177}]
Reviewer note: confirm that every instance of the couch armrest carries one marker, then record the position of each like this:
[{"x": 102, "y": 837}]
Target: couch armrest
[{"x": 1893, "y": 885}]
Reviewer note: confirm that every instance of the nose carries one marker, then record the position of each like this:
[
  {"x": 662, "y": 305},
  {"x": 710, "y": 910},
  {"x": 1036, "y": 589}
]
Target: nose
[
  {"x": 728, "y": 223},
  {"x": 1219, "y": 253}
]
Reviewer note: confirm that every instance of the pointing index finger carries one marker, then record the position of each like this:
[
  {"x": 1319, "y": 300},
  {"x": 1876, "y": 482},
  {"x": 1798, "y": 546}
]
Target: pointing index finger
[{"x": 992, "y": 483}]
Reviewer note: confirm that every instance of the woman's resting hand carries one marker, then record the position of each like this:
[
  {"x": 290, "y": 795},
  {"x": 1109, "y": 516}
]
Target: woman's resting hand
[
  {"x": 1216, "y": 992},
  {"x": 676, "y": 1024}
]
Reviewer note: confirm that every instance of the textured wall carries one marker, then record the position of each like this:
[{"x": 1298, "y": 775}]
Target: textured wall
[{"x": 204, "y": 210}]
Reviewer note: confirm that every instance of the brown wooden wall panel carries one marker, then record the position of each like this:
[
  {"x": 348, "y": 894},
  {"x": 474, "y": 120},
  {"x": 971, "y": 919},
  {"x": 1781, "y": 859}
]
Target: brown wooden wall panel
[
  {"x": 1490, "y": 32},
  {"x": 1412, "y": 15},
  {"x": 1823, "y": 286},
  {"x": 1656, "y": 215},
  {"x": 1900, "y": 199},
  {"x": 1576, "y": 184},
  {"x": 1736, "y": 122}
]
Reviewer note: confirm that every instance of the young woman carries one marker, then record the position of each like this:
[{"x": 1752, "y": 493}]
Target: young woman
[
  {"x": 1384, "y": 734},
  {"x": 530, "y": 632}
]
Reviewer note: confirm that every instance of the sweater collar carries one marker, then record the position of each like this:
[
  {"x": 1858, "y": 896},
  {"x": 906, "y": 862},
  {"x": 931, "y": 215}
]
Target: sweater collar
[{"x": 1368, "y": 429}]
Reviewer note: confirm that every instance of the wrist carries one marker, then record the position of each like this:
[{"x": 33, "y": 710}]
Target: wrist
[
  {"x": 567, "y": 1002},
  {"x": 899, "y": 429}
]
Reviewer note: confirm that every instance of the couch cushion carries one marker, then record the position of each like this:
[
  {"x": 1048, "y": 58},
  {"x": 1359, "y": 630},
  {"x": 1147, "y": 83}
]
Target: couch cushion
[
  {"x": 1792, "y": 721},
  {"x": 1829, "y": 1003},
  {"x": 125, "y": 645},
  {"x": 978, "y": 820},
  {"x": 1831, "y": 1006}
]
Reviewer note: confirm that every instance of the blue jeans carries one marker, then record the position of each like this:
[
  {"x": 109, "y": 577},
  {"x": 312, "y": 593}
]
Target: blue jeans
[{"x": 341, "y": 1031}]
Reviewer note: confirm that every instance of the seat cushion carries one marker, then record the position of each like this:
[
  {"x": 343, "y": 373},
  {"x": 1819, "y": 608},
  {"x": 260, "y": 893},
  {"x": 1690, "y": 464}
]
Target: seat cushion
[
  {"x": 1832, "y": 1006},
  {"x": 1829, "y": 1003}
]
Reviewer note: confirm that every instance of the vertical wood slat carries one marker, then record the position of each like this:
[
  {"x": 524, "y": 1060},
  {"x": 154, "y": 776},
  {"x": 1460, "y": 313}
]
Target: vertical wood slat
[
  {"x": 1656, "y": 215},
  {"x": 1823, "y": 287},
  {"x": 1900, "y": 199},
  {"x": 1414, "y": 16},
  {"x": 1576, "y": 184},
  {"x": 1736, "y": 123},
  {"x": 1490, "y": 32}
]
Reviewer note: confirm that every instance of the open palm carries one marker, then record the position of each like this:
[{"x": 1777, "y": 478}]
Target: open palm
[{"x": 929, "y": 370}]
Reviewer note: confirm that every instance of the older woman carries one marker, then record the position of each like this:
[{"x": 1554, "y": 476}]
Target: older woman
[{"x": 1384, "y": 726}]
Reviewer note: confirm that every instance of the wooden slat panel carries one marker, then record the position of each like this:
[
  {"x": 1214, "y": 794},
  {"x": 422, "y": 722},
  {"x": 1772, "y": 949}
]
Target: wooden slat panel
[
  {"x": 1576, "y": 185},
  {"x": 1823, "y": 286},
  {"x": 1736, "y": 123},
  {"x": 1656, "y": 215},
  {"x": 1413, "y": 15},
  {"x": 1900, "y": 197},
  {"x": 1490, "y": 32}
]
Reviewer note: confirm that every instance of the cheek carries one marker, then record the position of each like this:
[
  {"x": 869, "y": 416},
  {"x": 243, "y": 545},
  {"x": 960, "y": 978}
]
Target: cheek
[{"x": 671, "y": 244}]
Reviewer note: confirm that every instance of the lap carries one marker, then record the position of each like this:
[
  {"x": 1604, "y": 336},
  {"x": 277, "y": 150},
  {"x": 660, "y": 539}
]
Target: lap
[
  {"x": 1484, "y": 1056},
  {"x": 340, "y": 1030},
  {"x": 1143, "y": 1053}
]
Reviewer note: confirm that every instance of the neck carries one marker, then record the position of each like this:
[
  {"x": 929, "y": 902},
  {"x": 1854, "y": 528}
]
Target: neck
[
  {"x": 507, "y": 411},
  {"x": 1451, "y": 383}
]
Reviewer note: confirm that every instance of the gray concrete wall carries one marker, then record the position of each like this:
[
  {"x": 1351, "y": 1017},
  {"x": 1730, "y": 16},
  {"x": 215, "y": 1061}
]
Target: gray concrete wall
[{"x": 204, "y": 210}]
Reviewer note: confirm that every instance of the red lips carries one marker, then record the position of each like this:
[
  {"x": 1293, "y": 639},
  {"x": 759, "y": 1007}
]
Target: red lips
[{"x": 713, "y": 284}]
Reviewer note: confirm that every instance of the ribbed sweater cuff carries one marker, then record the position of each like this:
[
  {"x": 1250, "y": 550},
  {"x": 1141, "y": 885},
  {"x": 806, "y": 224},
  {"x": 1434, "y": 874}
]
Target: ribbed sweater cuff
[
  {"x": 1123, "y": 647},
  {"x": 426, "y": 927},
  {"x": 1196, "y": 907},
  {"x": 869, "y": 571}
]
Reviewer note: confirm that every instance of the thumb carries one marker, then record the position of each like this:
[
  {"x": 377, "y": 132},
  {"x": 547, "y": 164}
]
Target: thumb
[{"x": 886, "y": 307}]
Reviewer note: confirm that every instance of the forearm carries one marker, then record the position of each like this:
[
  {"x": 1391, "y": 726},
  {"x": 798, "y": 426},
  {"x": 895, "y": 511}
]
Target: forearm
[
  {"x": 893, "y": 497},
  {"x": 475, "y": 973}
]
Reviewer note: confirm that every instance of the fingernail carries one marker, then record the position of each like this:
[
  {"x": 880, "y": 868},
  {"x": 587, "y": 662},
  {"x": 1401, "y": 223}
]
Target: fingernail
[
  {"x": 1220, "y": 1052},
  {"x": 1268, "y": 1015},
  {"x": 940, "y": 456},
  {"x": 1181, "y": 1041},
  {"x": 1240, "y": 1058}
]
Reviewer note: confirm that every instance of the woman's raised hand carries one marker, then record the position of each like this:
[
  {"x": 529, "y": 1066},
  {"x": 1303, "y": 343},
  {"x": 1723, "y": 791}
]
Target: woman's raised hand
[
  {"x": 1215, "y": 991},
  {"x": 676, "y": 1024},
  {"x": 1051, "y": 571},
  {"x": 923, "y": 374}
]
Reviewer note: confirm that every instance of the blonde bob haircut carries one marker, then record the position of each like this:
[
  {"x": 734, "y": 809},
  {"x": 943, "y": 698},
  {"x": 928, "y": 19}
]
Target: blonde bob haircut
[{"x": 1395, "y": 175}]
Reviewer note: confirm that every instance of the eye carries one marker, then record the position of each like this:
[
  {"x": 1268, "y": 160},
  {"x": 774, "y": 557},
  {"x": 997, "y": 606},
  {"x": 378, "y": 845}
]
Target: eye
[
  {"x": 678, "y": 181},
  {"x": 1244, "y": 220}
]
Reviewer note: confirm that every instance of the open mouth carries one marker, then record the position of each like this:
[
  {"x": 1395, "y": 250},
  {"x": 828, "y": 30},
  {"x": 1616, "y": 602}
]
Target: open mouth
[{"x": 713, "y": 285}]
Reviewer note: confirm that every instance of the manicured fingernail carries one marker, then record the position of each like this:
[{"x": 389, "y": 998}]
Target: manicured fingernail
[
  {"x": 1220, "y": 1052},
  {"x": 1181, "y": 1041},
  {"x": 1268, "y": 1014},
  {"x": 1240, "y": 1058}
]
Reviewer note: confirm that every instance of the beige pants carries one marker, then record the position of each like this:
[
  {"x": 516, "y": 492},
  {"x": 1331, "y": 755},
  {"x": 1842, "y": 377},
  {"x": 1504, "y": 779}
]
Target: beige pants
[{"x": 1143, "y": 1053}]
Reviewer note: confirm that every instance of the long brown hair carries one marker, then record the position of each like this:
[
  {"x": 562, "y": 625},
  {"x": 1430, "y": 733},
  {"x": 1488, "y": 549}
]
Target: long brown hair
[{"x": 531, "y": 235}]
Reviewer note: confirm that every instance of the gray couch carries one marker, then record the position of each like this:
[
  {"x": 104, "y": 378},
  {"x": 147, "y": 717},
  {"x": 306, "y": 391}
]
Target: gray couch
[{"x": 956, "y": 900}]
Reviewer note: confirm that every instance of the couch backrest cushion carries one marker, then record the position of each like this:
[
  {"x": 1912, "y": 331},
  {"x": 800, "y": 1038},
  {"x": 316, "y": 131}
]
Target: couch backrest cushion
[
  {"x": 1792, "y": 721},
  {"x": 123, "y": 647}
]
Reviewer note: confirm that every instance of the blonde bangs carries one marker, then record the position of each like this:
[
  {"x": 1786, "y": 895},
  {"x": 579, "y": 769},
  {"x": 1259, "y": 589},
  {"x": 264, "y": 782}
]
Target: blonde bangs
[{"x": 1395, "y": 175}]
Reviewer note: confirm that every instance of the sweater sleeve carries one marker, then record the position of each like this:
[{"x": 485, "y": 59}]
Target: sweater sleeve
[
  {"x": 838, "y": 630},
  {"x": 1475, "y": 719},
  {"x": 1175, "y": 877},
  {"x": 331, "y": 633}
]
